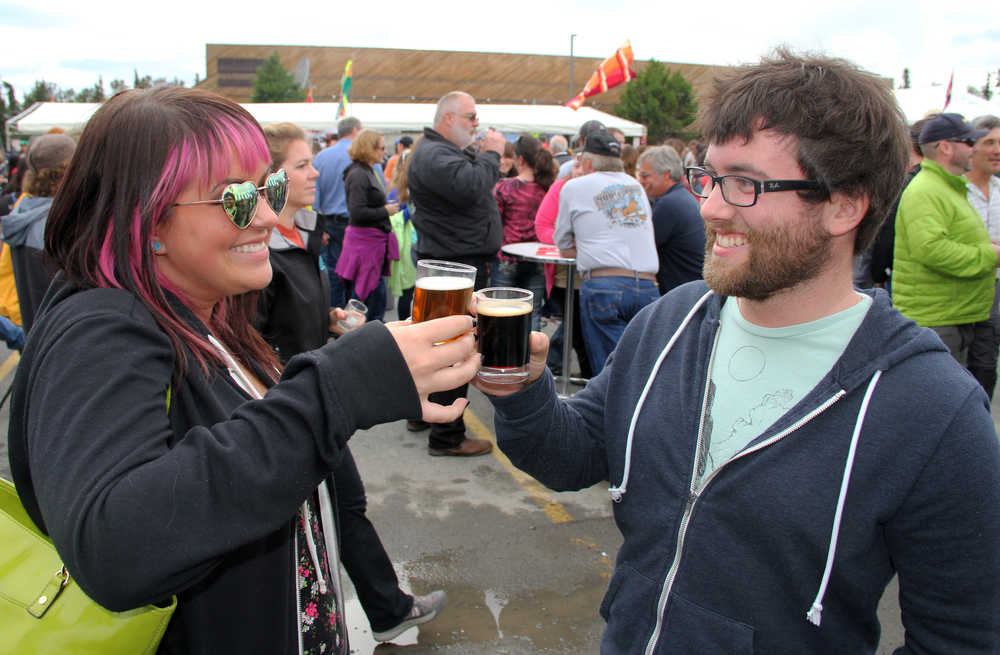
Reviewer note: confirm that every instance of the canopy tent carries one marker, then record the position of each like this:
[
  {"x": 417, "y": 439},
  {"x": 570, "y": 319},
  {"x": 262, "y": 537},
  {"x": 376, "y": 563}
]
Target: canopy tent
[
  {"x": 917, "y": 103},
  {"x": 320, "y": 117}
]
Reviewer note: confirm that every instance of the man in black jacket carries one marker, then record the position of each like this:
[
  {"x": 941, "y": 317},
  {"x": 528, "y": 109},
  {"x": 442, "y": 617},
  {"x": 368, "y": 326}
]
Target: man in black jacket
[{"x": 457, "y": 220}]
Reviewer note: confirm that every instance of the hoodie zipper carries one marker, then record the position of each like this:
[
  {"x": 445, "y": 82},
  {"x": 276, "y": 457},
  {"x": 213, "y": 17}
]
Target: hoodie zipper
[{"x": 693, "y": 493}]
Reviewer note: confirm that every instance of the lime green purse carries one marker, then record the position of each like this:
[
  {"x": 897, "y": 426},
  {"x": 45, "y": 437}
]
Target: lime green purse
[{"x": 43, "y": 611}]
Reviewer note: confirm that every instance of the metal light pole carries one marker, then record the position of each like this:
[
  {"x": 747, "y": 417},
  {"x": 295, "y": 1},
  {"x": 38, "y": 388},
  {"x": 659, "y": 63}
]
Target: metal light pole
[{"x": 572, "y": 86}]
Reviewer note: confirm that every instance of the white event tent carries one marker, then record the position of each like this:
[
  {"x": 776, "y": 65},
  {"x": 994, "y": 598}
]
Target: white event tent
[
  {"x": 917, "y": 103},
  {"x": 320, "y": 117}
]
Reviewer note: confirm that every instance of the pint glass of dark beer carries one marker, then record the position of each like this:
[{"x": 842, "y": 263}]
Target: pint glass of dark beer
[
  {"x": 504, "y": 327},
  {"x": 442, "y": 289}
]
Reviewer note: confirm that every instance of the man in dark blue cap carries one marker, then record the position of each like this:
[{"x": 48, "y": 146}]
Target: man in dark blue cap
[{"x": 944, "y": 265}]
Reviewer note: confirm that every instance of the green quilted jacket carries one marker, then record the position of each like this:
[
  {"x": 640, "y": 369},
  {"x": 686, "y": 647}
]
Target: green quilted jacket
[{"x": 943, "y": 267}]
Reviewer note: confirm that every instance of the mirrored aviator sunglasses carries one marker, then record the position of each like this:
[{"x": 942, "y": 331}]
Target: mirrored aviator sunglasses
[{"x": 239, "y": 200}]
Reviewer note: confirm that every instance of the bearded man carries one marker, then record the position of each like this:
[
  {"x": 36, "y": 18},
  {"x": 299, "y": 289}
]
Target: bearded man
[
  {"x": 779, "y": 444},
  {"x": 457, "y": 220}
]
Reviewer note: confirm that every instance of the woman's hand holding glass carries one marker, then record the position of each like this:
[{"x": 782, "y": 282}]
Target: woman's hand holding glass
[{"x": 438, "y": 367}]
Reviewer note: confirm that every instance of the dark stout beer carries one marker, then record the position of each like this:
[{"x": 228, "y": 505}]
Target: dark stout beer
[
  {"x": 438, "y": 296},
  {"x": 504, "y": 329}
]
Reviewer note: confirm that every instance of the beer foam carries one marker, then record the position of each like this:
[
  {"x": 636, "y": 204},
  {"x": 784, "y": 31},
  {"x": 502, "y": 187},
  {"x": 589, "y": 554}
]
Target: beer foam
[
  {"x": 444, "y": 283},
  {"x": 500, "y": 308}
]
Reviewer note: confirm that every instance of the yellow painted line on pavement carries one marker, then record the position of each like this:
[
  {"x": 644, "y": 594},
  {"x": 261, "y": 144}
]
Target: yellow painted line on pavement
[
  {"x": 9, "y": 364},
  {"x": 542, "y": 496}
]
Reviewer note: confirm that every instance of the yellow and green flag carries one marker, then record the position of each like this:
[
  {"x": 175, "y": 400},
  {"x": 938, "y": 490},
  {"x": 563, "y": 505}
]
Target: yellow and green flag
[{"x": 344, "y": 108}]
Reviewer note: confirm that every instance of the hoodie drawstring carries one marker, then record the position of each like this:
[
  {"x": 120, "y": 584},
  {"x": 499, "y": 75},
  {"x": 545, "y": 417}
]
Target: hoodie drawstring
[
  {"x": 618, "y": 492},
  {"x": 815, "y": 613}
]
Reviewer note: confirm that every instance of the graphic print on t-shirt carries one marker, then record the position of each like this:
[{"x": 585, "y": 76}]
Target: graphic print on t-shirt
[{"x": 623, "y": 205}]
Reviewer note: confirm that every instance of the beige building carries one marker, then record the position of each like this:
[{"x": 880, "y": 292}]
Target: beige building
[{"x": 395, "y": 75}]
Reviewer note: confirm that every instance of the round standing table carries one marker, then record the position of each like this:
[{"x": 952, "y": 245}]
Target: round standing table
[{"x": 536, "y": 251}]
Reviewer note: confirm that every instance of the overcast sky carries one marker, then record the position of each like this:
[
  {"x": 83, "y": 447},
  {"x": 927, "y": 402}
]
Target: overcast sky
[{"x": 71, "y": 42}]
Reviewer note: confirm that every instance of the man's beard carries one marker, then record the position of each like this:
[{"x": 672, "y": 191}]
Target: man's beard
[{"x": 779, "y": 258}]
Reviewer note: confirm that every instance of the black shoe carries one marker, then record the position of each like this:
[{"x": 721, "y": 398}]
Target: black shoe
[
  {"x": 417, "y": 425},
  {"x": 468, "y": 448}
]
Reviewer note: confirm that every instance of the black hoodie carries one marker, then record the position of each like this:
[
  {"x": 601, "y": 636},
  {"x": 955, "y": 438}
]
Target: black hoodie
[{"x": 145, "y": 500}]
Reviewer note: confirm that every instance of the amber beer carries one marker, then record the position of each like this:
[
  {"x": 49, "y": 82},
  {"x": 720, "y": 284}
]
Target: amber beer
[
  {"x": 504, "y": 325},
  {"x": 438, "y": 296}
]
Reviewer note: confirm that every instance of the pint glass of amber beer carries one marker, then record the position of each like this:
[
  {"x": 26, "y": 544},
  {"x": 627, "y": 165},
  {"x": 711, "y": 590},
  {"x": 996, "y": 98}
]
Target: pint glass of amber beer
[
  {"x": 442, "y": 289},
  {"x": 504, "y": 327}
]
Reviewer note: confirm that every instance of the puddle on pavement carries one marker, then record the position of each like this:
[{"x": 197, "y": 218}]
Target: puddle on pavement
[{"x": 521, "y": 621}]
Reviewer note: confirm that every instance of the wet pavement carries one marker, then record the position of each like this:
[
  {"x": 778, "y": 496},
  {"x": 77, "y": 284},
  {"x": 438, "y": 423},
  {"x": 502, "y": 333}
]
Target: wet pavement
[{"x": 524, "y": 568}]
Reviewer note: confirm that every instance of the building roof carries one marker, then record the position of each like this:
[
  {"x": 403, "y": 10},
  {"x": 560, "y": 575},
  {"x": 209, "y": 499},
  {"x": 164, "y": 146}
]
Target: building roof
[{"x": 423, "y": 76}]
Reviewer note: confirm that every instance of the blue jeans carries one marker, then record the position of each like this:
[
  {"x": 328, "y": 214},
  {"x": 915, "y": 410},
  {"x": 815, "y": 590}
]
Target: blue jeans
[
  {"x": 523, "y": 275},
  {"x": 607, "y": 304},
  {"x": 331, "y": 253}
]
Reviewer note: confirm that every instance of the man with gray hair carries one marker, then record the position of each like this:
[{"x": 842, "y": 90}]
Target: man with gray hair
[
  {"x": 983, "y": 193},
  {"x": 605, "y": 222},
  {"x": 457, "y": 219},
  {"x": 677, "y": 224},
  {"x": 331, "y": 201},
  {"x": 559, "y": 148}
]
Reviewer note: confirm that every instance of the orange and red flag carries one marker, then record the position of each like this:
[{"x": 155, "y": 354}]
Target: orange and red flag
[{"x": 615, "y": 70}]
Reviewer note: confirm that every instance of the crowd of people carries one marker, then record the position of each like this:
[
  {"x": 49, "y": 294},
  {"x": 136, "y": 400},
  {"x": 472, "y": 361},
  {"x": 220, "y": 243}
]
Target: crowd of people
[{"x": 781, "y": 435}]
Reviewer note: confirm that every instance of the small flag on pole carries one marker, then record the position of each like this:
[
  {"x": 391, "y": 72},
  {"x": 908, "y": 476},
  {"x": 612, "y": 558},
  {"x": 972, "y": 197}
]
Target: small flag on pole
[
  {"x": 344, "y": 107},
  {"x": 947, "y": 95},
  {"x": 615, "y": 70}
]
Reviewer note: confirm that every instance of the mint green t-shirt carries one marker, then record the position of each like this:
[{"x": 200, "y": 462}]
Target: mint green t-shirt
[{"x": 760, "y": 373}]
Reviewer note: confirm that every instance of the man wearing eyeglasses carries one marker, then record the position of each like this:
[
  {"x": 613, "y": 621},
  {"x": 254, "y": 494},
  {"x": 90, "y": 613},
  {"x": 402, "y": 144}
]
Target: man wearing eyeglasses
[
  {"x": 677, "y": 224},
  {"x": 457, "y": 220},
  {"x": 944, "y": 264},
  {"x": 778, "y": 443}
]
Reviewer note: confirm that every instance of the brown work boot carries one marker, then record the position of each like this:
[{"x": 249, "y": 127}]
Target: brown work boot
[{"x": 468, "y": 448}]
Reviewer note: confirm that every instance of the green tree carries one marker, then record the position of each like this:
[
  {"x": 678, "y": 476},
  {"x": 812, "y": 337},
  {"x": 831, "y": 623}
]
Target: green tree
[
  {"x": 9, "y": 108},
  {"x": 118, "y": 86},
  {"x": 906, "y": 78},
  {"x": 662, "y": 101},
  {"x": 987, "y": 91},
  {"x": 42, "y": 92},
  {"x": 93, "y": 93},
  {"x": 275, "y": 84}
]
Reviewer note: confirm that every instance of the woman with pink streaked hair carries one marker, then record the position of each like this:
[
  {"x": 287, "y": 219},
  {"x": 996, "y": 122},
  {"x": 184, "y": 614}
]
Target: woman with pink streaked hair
[{"x": 154, "y": 435}]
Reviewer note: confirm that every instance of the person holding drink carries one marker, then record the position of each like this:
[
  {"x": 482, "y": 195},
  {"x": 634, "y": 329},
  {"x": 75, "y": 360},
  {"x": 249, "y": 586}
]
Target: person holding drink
[
  {"x": 151, "y": 436},
  {"x": 294, "y": 317},
  {"x": 457, "y": 219}
]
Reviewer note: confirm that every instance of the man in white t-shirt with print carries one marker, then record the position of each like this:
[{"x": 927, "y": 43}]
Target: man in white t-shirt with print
[{"x": 606, "y": 223}]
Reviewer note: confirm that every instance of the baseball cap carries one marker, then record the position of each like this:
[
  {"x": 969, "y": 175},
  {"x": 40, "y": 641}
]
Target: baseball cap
[
  {"x": 602, "y": 142},
  {"x": 586, "y": 129},
  {"x": 949, "y": 127}
]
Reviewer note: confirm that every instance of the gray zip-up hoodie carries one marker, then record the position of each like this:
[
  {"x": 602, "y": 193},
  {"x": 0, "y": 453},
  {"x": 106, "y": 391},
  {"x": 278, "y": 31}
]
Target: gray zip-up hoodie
[
  {"x": 891, "y": 464},
  {"x": 24, "y": 232}
]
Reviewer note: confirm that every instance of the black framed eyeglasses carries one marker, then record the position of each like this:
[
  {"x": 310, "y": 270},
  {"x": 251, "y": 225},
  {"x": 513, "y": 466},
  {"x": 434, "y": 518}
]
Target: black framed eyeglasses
[
  {"x": 740, "y": 190},
  {"x": 240, "y": 199}
]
